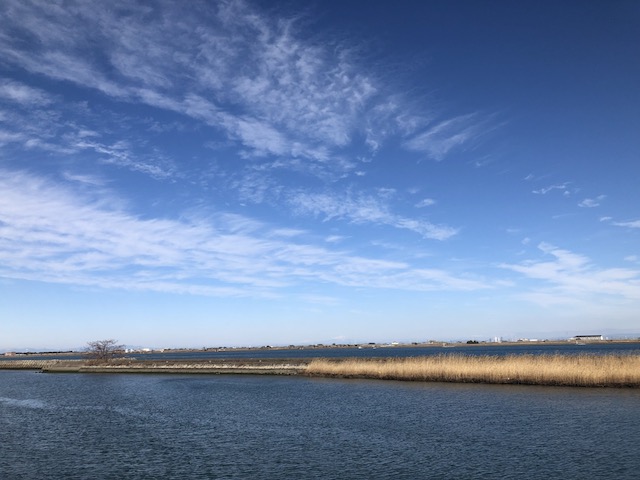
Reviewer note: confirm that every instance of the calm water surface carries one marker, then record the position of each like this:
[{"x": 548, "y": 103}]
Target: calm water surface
[
  {"x": 118, "y": 426},
  {"x": 482, "y": 349}
]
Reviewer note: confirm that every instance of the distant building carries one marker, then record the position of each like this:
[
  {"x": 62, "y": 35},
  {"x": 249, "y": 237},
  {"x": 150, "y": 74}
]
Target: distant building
[{"x": 586, "y": 338}]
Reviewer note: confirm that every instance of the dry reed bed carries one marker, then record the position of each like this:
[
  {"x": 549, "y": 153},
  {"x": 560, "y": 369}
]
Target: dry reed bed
[{"x": 567, "y": 370}]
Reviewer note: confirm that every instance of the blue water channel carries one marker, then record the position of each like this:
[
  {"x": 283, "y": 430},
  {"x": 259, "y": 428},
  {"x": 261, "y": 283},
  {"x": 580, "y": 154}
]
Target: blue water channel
[
  {"x": 370, "y": 351},
  {"x": 119, "y": 426}
]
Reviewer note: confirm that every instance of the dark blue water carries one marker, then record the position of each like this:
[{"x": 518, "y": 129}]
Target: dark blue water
[
  {"x": 518, "y": 349},
  {"x": 72, "y": 426}
]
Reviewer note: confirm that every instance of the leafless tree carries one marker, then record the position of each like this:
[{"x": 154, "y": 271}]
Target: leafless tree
[{"x": 103, "y": 351}]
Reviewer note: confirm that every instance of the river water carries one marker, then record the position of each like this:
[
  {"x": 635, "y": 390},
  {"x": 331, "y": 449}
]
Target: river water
[
  {"x": 534, "y": 348},
  {"x": 119, "y": 426}
]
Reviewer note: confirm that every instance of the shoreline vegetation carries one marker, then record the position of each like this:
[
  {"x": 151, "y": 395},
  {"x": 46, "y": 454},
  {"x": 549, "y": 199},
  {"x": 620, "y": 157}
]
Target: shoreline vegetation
[{"x": 552, "y": 370}]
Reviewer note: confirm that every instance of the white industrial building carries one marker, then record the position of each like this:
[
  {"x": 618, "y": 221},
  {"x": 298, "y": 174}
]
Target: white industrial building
[{"x": 586, "y": 338}]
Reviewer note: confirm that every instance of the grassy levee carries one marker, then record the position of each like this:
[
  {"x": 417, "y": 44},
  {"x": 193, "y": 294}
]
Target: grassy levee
[{"x": 566, "y": 370}]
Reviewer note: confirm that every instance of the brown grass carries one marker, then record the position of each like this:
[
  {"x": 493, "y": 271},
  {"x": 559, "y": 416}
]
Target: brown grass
[{"x": 568, "y": 370}]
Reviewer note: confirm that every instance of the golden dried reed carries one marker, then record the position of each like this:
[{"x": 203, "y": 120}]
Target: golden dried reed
[{"x": 568, "y": 370}]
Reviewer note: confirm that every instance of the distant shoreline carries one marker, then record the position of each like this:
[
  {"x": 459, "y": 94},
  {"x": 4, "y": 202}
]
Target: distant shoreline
[{"x": 316, "y": 347}]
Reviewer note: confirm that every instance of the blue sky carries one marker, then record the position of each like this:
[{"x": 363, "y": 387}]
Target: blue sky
[{"x": 200, "y": 173}]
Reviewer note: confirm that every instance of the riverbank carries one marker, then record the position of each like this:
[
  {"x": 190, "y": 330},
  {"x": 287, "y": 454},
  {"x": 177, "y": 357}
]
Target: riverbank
[{"x": 561, "y": 370}]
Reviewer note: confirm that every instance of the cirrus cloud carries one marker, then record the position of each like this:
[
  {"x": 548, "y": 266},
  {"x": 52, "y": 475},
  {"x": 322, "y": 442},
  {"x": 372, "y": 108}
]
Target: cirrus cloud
[{"x": 56, "y": 233}]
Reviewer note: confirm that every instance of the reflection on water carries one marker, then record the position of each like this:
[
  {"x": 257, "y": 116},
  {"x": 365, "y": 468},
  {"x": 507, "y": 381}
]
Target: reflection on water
[{"x": 246, "y": 427}]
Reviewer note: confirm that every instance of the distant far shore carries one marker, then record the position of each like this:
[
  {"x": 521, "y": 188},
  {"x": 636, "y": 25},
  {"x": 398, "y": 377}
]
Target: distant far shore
[{"x": 320, "y": 346}]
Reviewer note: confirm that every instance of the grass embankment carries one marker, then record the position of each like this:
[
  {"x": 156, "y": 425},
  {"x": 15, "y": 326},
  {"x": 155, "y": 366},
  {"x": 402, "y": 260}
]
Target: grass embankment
[{"x": 567, "y": 370}]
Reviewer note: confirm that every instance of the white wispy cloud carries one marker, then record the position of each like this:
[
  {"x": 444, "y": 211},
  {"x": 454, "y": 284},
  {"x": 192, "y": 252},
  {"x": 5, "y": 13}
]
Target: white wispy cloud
[
  {"x": 364, "y": 209},
  {"x": 23, "y": 94},
  {"x": 122, "y": 154},
  {"x": 592, "y": 202},
  {"x": 73, "y": 131},
  {"x": 227, "y": 64},
  {"x": 334, "y": 238},
  {"x": 438, "y": 140},
  {"x": 255, "y": 186},
  {"x": 54, "y": 233},
  {"x": 11, "y": 137},
  {"x": 85, "y": 179},
  {"x": 285, "y": 101},
  {"x": 255, "y": 78},
  {"x": 569, "y": 277},
  {"x": 562, "y": 187},
  {"x": 427, "y": 202},
  {"x": 630, "y": 224}
]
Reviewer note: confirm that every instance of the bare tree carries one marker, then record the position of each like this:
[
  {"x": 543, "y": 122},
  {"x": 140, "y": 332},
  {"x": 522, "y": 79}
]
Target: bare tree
[{"x": 103, "y": 351}]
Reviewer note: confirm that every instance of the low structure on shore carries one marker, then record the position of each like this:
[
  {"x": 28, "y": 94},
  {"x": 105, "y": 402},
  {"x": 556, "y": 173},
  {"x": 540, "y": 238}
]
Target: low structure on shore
[{"x": 587, "y": 338}]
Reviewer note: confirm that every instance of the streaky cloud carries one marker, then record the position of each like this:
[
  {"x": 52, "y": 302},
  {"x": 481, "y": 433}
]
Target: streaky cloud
[
  {"x": 631, "y": 224},
  {"x": 364, "y": 209},
  {"x": 562, "y": 187},
  {"x": 23, "y": 94},
  {"x": 52, "y": 233},
  {"x": 438, "y": 140},
  {"x": 592, "y": 202},
  {"x": 253, "y": 78},
  {"x": 427, "y": 202},
  {"x": 228, "y": 64},
  {"x": 571, "y": 276}
]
